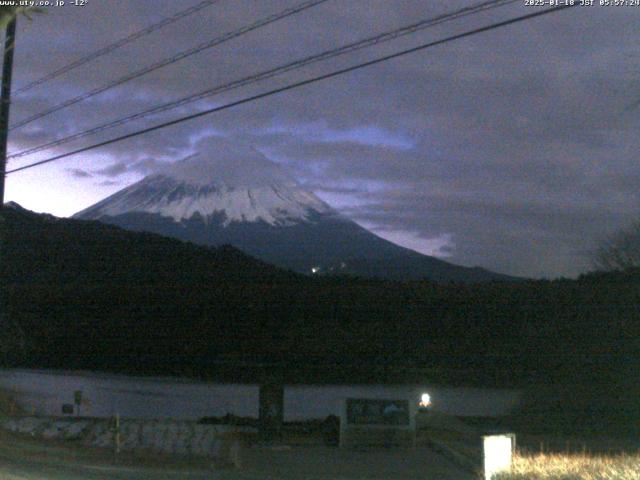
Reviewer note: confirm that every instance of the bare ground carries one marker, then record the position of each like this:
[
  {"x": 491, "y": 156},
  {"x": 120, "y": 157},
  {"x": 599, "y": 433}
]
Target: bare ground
[{"x": 23, "y": 458}]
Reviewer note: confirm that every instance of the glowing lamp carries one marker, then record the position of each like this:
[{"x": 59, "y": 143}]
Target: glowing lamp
[
  {"x": 498, "y": 450},
  {"x": 425, "y": 400}
]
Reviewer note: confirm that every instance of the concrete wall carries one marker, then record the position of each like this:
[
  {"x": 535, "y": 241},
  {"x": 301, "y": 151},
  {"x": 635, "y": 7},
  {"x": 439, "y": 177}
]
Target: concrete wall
[
  {"x": 311, "y": 401},
  {"x": 43, "y": 392}
]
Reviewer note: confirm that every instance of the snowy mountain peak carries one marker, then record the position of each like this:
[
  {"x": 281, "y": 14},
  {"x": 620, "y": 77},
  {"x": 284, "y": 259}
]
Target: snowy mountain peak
[
  {"x": 228, "y": 195},
  {"x": 238, "y": 185}
]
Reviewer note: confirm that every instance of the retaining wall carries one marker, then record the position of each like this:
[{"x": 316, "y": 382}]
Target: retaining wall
[
  {"x": 164, "y": 436},
  {"x": 47, "y": 392}
]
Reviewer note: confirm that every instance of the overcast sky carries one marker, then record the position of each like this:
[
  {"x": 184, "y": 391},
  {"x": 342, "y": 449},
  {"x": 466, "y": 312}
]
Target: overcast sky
[{"x": 516, "y": 149}]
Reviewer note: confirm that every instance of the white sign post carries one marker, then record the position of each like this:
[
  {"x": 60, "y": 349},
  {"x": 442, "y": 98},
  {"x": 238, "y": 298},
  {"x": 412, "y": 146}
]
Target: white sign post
[{"x": 498, "y": 453}]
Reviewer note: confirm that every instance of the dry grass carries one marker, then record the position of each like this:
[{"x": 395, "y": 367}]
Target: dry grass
[{"x": 574, "y": 467}]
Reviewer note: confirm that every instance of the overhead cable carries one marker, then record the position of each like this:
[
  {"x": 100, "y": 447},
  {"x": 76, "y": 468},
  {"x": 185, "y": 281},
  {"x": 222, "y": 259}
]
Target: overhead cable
[
  {"x": 173, "y": 59},
  {"x": 299, "y": 84},
  {"x": 117, "y": 44},
  {"x": 294, "y": 65}
]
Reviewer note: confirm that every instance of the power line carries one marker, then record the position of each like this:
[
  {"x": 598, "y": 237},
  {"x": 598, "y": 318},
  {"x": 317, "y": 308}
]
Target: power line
[
  {"x": 299, "y": 84},
  {"x": 175, "y": 58},
  {"x": 349, "y": 48},
  {"x": 120, "y": 43}
]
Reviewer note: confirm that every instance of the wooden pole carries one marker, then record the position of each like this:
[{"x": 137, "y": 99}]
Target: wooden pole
[{"x": 117, "y": 433}]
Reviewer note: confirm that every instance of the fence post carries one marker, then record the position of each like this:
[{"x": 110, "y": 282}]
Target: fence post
[
  {"x": 271, "y": 409},
  {"x": 117, "y": 433}
]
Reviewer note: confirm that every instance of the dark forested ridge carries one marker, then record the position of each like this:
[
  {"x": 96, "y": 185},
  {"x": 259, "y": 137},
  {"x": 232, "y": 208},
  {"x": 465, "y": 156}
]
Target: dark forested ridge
[
  {"x": 320, "y": 240},
  {"x": 88, "y": 295}
]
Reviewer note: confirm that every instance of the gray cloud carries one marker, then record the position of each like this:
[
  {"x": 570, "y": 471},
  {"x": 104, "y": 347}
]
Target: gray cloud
[
  {"x": 217, "y": 159},
  {"x": 519, "y": 144},
  {"x": 113, "y": 170},
  {"x": 108, "y": 183},
  {"x": 79, "y": 173}
]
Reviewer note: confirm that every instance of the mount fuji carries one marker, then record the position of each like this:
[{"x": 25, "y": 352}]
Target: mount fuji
[{"x": 236, "y": 196}]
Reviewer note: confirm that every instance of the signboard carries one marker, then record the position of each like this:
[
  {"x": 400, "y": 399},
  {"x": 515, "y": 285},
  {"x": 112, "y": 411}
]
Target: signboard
[
  {"x": 498, "y": 452},
  {"x": 377, "y": 422},
  {"x": 377, "y": 412}
]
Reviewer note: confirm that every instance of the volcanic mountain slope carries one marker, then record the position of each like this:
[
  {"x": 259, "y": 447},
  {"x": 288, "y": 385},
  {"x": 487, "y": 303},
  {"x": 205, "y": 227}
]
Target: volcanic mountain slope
[
  {"x": 237, "y": 196},
  {"x": 44, "y": 249}
]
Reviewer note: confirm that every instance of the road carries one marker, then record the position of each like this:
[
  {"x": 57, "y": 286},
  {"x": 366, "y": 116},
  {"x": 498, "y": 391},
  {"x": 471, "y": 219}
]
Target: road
[{"x": 23, "y": 458}]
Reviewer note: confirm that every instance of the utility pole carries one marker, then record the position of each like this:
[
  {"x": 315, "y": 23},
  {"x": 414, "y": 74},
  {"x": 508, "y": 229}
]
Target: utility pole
[
  {"x": 5, "y": 95},
  {"x": 5, "y": 101}
]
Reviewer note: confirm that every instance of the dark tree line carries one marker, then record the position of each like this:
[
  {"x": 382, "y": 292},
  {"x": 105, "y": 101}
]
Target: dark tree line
[{"x": 88, "y": 295}]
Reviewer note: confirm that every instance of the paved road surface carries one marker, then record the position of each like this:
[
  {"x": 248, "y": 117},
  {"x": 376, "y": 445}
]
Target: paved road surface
[{"x": 26, "y": 459}]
